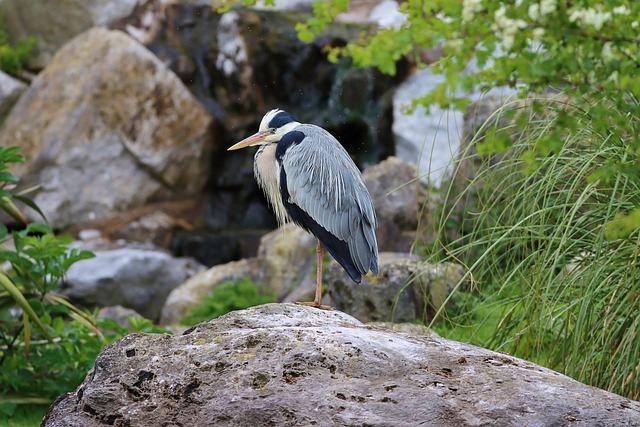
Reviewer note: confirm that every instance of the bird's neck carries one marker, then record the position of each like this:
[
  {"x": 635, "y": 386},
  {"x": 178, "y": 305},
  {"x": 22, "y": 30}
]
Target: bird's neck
[{"x": 267, "y": 173}]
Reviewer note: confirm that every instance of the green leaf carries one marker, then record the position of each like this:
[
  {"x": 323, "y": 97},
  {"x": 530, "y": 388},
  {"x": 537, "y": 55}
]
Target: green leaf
[
  {"x": 26, "y": 330},
  {"x": 9, "y": 207},
  {"x": 31, "y": 204},
  {"x": 22, "y": 302},
  {"x": 304, "y": 33}
]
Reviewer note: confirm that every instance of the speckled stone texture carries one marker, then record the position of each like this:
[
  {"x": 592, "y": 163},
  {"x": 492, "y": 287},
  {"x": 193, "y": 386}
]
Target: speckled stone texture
[{"x": 290, "y": 365}]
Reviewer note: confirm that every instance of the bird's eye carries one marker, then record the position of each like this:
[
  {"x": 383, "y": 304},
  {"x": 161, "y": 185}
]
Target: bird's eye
[{"x": 272, "y": 130}]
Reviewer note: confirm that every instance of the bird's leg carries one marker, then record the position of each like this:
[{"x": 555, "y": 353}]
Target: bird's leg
[
  {"x": 320, "y": 250},
  {"x": 317, "y": 303}
]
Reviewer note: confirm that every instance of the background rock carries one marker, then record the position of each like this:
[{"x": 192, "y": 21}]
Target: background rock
[
  {"x": 398, "y": 199},
  {"x": 106, "y": 128},
  {"x": 387, "y": 15},
  {"x": 10, "y": 91},
  {"x": 288, "y": 365},
  {"x": 406, "y": 290},
  {"x": 285, "y": 267},
  {"x": 134, "y": 278},
  {"x": 54, "y": 26},
  {"x": 191, "y": 292},
  {"x": 156, "y": 228},
  {"x": 429, "y": 141},
  {"x": 288, "y": 257}
]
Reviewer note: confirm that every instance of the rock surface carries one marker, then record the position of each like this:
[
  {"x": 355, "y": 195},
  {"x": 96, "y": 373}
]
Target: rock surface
[
  {"x": 52, "y": 27},
  {"x": 10, "y": 91},
  {"x": 398, "y": 199},
  {"x": 107, "y": 127},
  {"x": 406, "y": 290},
  {"x": 429, "y": 141},
  {"x": 284, "y": 267},
  {"x": 135, "y": 278},
  {"x": 288, "y": 365}
]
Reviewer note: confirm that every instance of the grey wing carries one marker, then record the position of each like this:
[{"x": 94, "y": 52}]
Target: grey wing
[{"x": 324, "y": 182}]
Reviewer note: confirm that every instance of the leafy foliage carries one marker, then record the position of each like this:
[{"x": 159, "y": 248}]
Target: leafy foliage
[
  {"x": 47, "y": 345},
  {"x": 13, "y": 57},
  {"x": 227, "y": 297},
  {"x": 43, "y": 361},
  {"x": 590, "y": 51},
  {"x": 25, "y": 415}
]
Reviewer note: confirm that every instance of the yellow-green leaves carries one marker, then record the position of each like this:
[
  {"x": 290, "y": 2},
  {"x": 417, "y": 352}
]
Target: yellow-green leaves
[{"x": 22, "y": 302}]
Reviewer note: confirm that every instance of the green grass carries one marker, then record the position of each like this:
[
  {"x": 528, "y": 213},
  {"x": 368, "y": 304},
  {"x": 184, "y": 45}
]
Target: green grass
[
  {"x": 475, "y": 318},
  {"x": 556, "y": 278},
  {"x": 24, "y": 416}
]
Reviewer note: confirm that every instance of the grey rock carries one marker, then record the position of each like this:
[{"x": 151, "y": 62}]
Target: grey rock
[
  {"x": 398, "y": 199},
  {"x": 407, "y": 328},
  {"x": 52, "y": 27},
  {"x": 288, "y": 365},
  {"x": 406, "y": 290},
  {"x": 106, "y": 128},
  {"x": 156, "y": 228},
  {"x": 284, "y": 267},
  {"x": 191, "y": 292},
  {"x": 288, "y": 258},
  {"x": 119, "y": 314},
  {"x": 134, "y": 278},
  {"x": 387, "y": 15},
  {"x": 10, "y": 91},
  {"x": 428, "y": 141}
]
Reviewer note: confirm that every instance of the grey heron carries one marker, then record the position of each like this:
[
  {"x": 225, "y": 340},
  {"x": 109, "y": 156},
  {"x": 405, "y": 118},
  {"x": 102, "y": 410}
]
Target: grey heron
[{"x": 310, "y": 179}]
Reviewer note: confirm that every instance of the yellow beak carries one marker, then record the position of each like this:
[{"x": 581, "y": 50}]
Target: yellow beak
[{"x": 254, "y": 139}]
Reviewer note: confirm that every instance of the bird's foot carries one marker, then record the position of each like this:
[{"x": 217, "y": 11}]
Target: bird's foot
[{"x": 315, "y": 305}]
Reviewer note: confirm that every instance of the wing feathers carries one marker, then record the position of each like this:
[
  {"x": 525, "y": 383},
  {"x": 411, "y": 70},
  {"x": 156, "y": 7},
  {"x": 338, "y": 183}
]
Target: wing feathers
[{"x": 324, "y": 183}]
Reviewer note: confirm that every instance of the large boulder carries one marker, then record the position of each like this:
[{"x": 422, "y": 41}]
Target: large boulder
[
  {"x": 283, "y": 267},
  {"x": 107, "y": 127},
  {"x": 10, "y": 91},
  {"x": 406, "y": 290},
  {"x": 429, "y": 140},
  {"x": 399, "y": 200},
  {"x": 52, "y": 27},
  {"x": 289, "y": 365},
  {"x": 139, "y": 279}
]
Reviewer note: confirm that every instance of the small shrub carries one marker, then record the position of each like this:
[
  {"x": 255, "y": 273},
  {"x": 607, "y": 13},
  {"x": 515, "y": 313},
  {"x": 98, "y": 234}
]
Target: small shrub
[
  {"x": 47, "y": 345},
  {"x": 13, "y": 57},
  {"x": 225, "y": 298}
]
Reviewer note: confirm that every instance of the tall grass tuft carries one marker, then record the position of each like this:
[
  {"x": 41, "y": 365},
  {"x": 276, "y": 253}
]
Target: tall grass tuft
[{"x": 556, "y": 280}]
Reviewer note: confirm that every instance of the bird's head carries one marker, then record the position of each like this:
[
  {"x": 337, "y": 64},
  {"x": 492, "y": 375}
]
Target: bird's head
[{"x": 273, "y": 126}]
